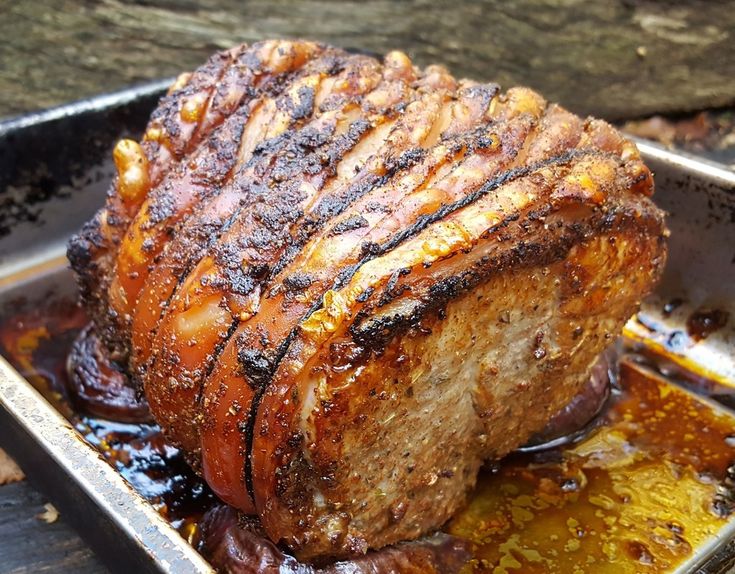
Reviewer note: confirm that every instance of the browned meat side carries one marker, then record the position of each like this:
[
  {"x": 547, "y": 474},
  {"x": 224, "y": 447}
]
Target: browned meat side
[
  {"x": 234, "y": 547},
  {"x": 356, "y": 281}
]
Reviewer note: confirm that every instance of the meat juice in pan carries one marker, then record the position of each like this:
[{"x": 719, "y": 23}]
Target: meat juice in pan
[{"x": 641, "y": 491}]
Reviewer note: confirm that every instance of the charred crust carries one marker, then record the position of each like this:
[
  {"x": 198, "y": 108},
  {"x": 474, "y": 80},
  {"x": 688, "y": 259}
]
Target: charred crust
[
  {"x": 297, "y": 282},
  {"x": 392, "y": 289},
  {"x": 374, "y": 333},
  {"x": 377, "y": 207},
  {"x": 369, "y": 249},
  {"x": 365, "y": 295},
  {"x": 349, "y": 224},
  {"x": 79, "y": 249},
  {"x": 305, "y": 106},
  {"x": 407, "y": 159},
  {"x": 255, "y": 365},
  {"x": 270, "y": 219},
  {"x": 239, "y": 281}
]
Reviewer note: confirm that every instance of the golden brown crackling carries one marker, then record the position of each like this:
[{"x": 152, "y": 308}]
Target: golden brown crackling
[
  {"x": 208, "y": 168},
  {"x": 453, "y": 115},
  {"x": 168, "y": 137},
  {"x": 399, "y": 138},
  {"x": 223, "y": 280}
]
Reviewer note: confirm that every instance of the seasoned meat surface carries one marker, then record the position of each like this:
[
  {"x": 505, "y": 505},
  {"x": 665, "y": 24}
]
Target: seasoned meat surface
[{"x": 344, "y": 284}]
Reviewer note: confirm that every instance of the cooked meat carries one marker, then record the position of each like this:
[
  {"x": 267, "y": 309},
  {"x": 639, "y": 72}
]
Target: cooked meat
[
  {"x": 235, "y": 546},
  {"x": 97, "y": 387},
  {"x": 344, "y": 284}
]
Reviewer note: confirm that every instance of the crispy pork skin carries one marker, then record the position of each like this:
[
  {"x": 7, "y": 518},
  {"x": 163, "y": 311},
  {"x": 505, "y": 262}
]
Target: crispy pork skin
[{"x": 344, "y": 284}]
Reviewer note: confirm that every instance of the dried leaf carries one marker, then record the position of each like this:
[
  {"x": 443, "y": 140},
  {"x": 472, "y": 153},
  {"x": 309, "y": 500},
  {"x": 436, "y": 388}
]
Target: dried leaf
[{"x": 49, "y": 515}]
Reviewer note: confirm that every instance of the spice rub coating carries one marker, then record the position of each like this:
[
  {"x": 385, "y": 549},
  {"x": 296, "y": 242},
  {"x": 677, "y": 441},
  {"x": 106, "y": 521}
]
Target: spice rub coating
[{"x": 345, "y": 283}]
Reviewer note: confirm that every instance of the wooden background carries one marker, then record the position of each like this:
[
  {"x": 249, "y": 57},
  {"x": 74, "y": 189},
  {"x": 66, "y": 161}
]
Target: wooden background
[
  {"x": 613, "y": 58},
  {"x": 617, "y": 59}
]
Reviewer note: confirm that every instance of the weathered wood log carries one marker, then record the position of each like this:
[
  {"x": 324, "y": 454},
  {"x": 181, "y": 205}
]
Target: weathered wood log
[{"x": 612, "y": 58}]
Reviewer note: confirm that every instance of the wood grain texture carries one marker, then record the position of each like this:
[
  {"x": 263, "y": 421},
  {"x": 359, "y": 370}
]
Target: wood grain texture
[
  {"x": 28, "y": 545},
  {"x": 612, "y": 58}
]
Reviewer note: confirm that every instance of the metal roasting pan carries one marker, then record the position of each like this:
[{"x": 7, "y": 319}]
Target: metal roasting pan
[{"x": 55, "y": 167}]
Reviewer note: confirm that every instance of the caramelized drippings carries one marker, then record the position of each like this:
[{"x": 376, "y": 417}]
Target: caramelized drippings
[
  {"x": 704, "y": 322},
  {"x": 639, "y": 493},
  {"x": 37, "y": 342}
]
